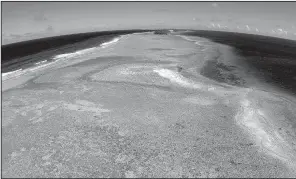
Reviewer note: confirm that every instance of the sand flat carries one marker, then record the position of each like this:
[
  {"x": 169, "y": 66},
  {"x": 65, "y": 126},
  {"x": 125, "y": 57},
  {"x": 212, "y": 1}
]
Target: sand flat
[{"x": 141, "y": 117}]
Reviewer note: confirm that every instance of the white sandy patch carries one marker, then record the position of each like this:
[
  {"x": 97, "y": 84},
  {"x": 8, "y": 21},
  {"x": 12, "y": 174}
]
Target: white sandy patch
[
  {"x": 135, "y": 69},
  {"x": 177, "y": 78},
  {"x": 261, "y": 127},
  {"x": 198, "y": 43},
  {"x": 53, "y": 108},
  {"x": 141, "y": 73}
]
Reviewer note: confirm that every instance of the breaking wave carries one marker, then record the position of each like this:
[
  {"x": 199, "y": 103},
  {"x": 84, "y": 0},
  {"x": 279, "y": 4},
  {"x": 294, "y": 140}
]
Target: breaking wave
[
  {"x": 107, "y": 44},
  {"x": 38, "y": 63},
  {"x": 7, "y": 75},
  {"x": 85, "y": 51},
  {"x": 44, "y": 63}
]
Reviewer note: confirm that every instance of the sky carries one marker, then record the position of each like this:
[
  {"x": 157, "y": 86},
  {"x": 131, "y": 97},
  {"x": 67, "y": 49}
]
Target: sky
[{"x": 30, "y": 20}]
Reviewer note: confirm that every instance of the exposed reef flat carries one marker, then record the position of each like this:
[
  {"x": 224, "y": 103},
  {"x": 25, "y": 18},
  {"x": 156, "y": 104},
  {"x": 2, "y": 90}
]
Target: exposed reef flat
[{"x": 148, "y": 105}]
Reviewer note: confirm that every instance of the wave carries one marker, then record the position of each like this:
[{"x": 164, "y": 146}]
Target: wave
[
  {"x": 197, "y": 42},
  {"x": 21, "y": 71},
  {"x": 17, "y": 73},
  {"x": 186, "y": 38},
  {"x": 10, "y": 74},
  {"x": 43, "y": 64},
  {"x": 107, "y": 44},
  {"x": 84, "y": 51},
  {"x": 38, "y": 63},
  {"x": 38, "y": 67},
  {"x": 73, "y": 54}
]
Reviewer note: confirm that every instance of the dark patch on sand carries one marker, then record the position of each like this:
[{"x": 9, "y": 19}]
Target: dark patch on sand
[
  {"x": 159, "y": 49},
  {"x": 221, "y": 73}
]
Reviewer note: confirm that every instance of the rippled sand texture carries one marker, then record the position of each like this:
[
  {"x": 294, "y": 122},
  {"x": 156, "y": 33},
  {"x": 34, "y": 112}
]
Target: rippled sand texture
[{"x": 148, "y": 106}]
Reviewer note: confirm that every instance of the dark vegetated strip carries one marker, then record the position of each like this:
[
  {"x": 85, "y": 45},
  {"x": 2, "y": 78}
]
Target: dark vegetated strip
[
  {"x": 21, "y": 49},
  {"x": 267, "y": 46}
]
